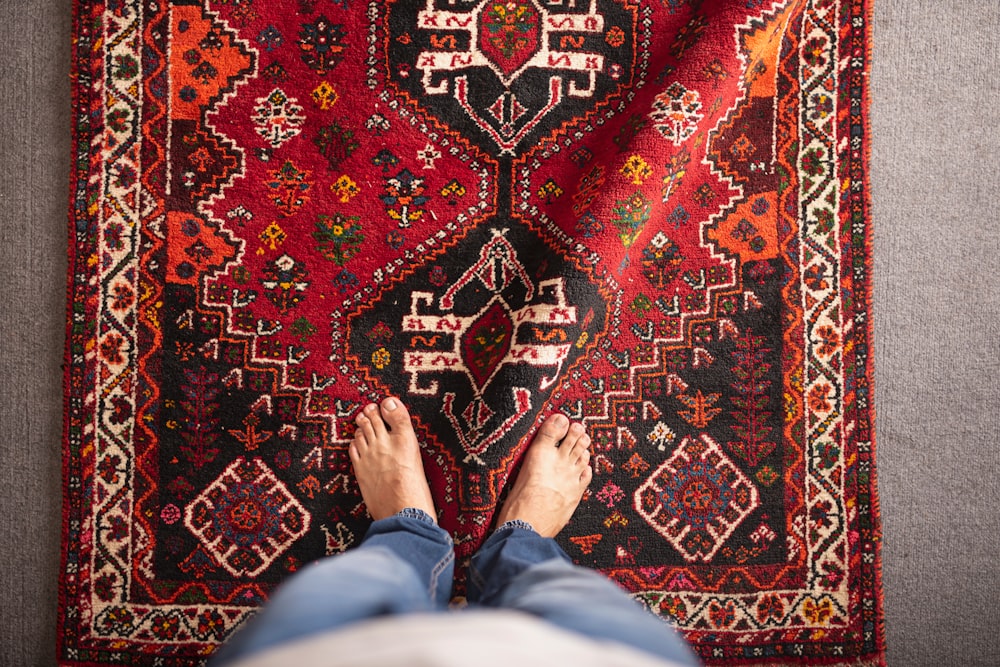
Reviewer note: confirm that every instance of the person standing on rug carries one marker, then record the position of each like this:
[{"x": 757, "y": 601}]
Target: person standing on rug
[{"x": 378, "y": 604}]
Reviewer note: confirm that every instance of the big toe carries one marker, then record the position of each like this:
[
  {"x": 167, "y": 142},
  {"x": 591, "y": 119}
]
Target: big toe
[
  {"x": 553, "y": 429},
  {"x": 396, "y": 416}
]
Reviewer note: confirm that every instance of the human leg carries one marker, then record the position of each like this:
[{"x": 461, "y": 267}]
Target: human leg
[
  {"x": 522, "y": 568},
  {"x": 555, "y": 473},
  {"x": 519, "y": 569},
  {"x": 405, "y": 563}
]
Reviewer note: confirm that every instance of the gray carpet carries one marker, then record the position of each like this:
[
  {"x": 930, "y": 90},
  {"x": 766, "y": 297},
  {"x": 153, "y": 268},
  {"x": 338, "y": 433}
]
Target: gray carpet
[
  {"x": 34, "y": 195},
  {"x": 936, "y": 178},
  {"x": 936, "y": 183}
]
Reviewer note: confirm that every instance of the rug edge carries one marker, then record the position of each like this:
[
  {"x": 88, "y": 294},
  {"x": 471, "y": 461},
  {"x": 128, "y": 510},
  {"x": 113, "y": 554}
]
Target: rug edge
[
  {"x": 868, "y": 287},
  {"x": 77, "y": 175}
]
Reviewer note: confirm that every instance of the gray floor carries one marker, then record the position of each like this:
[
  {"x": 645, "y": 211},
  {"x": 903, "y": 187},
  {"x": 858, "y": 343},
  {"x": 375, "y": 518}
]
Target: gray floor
[{"x": 936, "y": 183}]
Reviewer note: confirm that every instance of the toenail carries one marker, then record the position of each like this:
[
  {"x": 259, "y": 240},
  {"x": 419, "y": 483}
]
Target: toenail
[
  {"x": 390, "y": 404},
  {"x": 560, "y": 419},
  {"x": 577, "y": 427}
]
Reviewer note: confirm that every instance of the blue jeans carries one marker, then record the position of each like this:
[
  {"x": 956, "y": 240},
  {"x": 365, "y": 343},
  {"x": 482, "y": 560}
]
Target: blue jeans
[{"x": 405, "y": 564}]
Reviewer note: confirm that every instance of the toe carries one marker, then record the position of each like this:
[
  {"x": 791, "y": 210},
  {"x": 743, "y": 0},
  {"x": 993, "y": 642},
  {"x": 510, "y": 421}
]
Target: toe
[
  {"x": 364, "y": 434},
  {"x": 586, "y": 476},
  {"x": 375, "y": 420},
  {"x": 570, "y": 446},
  {"x": 554, "y": 429},
  {"x": 396, "y": 415},
  {"x": 582, "y": 451}
]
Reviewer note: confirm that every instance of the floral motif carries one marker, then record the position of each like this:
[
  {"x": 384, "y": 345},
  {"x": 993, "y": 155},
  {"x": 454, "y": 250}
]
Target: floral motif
[
  {"x": 277, "y": 118},
  {"x": 722, "y": 615},
  {"x": 453, "y": 191},
  {"x": 284, "y": 282},
  {"x": 549, "y": 191},
  {"x": 377, "y": 124},
  {"x": 661, "y": 261},
  {"x": 270, "y": 38},
  {"x": 817, "y": 612},
  {"x": 404, "y": 198},
  {"x": 632, "y": 214},
  {"x": 814, "y": 52},
  {"x": 201, "y": 419},
  {"x": 610, "y": 494},
  {"x": 661, "y": 436},
  {"x": 589, "y": 226},
  {"x": 636, "y": 169},
  {"x": 288, "y": 186},
  {"x": 753, "y": 434},
  {"x": 321, "y": 44},
  {"x": 818, "y": 398},
  {"x": 672, "y": 606},
  {"x": 324, "y": 95},
  {"x": 302, "y": 328},
  {"x": 830, "y": 340},
  {"x": 615, "y": 37},
  {"x": 675, "y": 112},
  {"x": 511, "y": 29},
  {"x": 339, "y": 236},
  {"x": 335, "y": 143},
  {"x": 385, "y": 159},
  {"x": 381, "y": 358},
  {"x": 587, "y": 189},
  {"x": 676, "y": 168},
  {"x": 345, "y": 188},
  {"x": 273, "y": 236}
]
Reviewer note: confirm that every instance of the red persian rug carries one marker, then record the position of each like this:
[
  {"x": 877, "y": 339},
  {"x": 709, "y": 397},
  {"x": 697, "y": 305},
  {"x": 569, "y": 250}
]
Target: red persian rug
[{"x": 649, "y": 215}]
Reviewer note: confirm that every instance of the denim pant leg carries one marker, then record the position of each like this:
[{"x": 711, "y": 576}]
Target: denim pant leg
[
  {"x": 518, "y": 569},
  {"x": 405, "y": 564}
]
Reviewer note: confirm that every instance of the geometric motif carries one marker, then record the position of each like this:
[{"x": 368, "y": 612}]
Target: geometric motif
[
  {"x": 246, "y": 518},
  {"x": 696, "y": 498}
]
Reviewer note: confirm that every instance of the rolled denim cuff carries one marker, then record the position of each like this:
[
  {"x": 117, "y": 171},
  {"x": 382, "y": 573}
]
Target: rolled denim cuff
[
  {"x": 417, "y": 513},
  {"x": 517, "y": 523}
]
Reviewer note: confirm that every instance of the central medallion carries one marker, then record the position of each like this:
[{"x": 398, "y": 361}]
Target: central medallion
[
  {"x": 477, "y": 339},
  {"x": 507, "y": 73}
]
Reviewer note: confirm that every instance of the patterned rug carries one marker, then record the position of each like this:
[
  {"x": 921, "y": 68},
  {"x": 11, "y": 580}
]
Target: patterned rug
[{"x": 649, "y": 215}]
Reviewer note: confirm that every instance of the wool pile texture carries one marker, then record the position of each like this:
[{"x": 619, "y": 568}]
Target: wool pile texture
[{"x": 651, "y": 216}]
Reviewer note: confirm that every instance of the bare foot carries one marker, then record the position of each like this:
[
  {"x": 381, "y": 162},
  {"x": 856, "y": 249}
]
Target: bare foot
[
  {"x": 555, "y": 473},
  {"x": 387, "y": 464}
]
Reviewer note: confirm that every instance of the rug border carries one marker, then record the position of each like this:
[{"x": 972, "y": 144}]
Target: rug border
[{"x": 77, "y": 175}]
